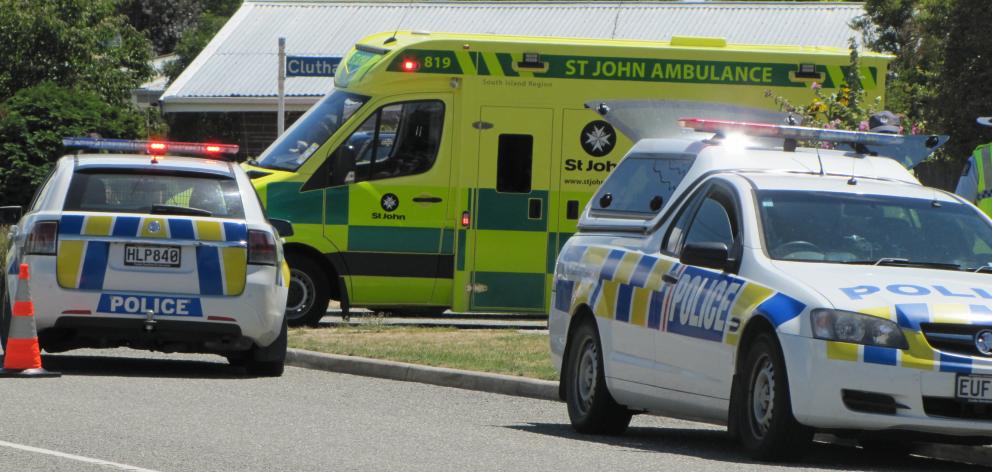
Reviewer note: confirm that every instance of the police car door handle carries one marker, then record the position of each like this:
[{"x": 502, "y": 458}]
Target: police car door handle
[
  {"x": 669, "y": 279},
  {"x": 427, "y": 199},
  {"x": 733, "y": 324}
]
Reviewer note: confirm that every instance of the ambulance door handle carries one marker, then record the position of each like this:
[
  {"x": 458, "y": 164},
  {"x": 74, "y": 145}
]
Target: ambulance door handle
[{"x": 427, "y": 199}]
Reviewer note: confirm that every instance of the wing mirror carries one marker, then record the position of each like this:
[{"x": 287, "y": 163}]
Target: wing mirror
[
  {"x": 10, "y": 215},
  {"x": 711, "y": 255},
  {"x": 283, "y": 227}
]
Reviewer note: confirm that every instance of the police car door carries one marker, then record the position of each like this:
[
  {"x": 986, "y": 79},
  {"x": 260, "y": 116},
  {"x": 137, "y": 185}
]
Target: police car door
[{"x": 691, "y": 346}]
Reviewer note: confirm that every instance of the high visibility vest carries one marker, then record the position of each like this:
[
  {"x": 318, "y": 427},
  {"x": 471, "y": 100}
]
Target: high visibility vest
[{"x": 983, "y": 165}]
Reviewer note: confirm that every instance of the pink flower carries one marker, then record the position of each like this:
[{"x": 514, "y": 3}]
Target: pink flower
[
  {"x": 915, "y": 129},
  {"x": 863, "y": 126},
  {"x": 816, "y": 86}
]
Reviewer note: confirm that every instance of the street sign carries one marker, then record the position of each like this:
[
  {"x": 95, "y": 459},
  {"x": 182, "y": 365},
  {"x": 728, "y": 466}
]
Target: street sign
[{"x": 311, "y": 66}]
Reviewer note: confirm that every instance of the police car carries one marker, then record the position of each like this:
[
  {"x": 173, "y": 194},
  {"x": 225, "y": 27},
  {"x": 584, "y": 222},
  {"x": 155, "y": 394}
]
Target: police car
[
  {"x": 153, "y": 251},
  {"x": 780, "y": 291}
]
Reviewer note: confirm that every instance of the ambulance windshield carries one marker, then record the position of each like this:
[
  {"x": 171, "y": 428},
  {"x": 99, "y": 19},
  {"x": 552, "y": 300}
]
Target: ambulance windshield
[
  {"x": 873, "y": 229},
  {"x": 311, "y": 131}
]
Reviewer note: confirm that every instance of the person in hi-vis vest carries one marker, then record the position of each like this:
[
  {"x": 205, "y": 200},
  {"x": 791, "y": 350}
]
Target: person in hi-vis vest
[{"x": 975, "y": 183}]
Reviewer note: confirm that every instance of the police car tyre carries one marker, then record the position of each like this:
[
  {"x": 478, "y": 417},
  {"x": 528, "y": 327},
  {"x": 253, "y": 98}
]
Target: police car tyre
[
  {"x": 309, "y": 291},
  {"x": 269, "y": 361},
  {"x": 4, "y": 315},
  {"x": 766, "y": 427},
  {"x": 591, "y": 408}
]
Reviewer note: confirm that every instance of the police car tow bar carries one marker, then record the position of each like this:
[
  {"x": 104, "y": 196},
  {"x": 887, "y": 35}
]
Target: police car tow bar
[{"x": 908, "y": 150}]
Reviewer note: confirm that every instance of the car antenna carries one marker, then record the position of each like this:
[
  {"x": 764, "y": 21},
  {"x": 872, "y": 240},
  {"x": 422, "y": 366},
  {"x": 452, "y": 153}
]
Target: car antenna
[
  {"x": 853, "y": 180},
  {"x": 392, "y": 38}
]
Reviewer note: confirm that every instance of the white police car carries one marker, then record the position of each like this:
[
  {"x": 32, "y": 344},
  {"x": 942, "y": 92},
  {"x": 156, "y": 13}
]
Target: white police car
[
  {"x": 153, "y": 252},
  {"x": 779, "y": 292}
]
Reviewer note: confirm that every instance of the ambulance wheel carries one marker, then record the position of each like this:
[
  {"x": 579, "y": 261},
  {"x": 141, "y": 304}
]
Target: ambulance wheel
[
  {"x": 766, "y": 427},
  {"x": 269, "y": 361},
  {"x": 591, "y": 408},
  {"x": 309, "y": 291}
]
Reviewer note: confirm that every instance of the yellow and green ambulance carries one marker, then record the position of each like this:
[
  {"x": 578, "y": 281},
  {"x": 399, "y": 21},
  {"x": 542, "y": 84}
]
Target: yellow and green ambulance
[{"x": 446, "y": 171}]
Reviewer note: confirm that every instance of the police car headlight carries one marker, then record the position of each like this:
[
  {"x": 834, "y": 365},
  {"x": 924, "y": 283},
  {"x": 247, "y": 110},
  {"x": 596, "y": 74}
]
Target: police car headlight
[{"x": 858, "y": 328}]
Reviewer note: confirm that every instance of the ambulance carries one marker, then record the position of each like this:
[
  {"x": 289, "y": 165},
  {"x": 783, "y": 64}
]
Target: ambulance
[{"x": 482, "y": 154}]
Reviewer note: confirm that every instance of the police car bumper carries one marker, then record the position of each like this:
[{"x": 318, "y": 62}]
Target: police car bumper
[
  {"x": 70, "y": 318},
  {"x": 831, "y": 394}
]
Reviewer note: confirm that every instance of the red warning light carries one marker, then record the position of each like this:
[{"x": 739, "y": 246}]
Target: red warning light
[
  {"x": 155, "y": 147},
  {"x": 465, "y": 219},
  {"x": 409, "y": 65},
  {"x": 212, "y": 148}
]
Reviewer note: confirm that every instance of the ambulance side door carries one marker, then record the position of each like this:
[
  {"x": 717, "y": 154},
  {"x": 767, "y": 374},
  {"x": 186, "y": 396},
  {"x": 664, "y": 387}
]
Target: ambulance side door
[
  {"x": 392, "y": 176},
  {"x": 692, "y": 352}
]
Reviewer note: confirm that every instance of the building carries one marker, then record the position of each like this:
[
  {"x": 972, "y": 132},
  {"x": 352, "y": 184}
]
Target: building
[{"x": 235, "y": 76}]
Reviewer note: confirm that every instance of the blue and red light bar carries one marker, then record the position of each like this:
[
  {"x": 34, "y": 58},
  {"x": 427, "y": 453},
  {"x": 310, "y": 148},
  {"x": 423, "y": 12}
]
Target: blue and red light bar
[
  {"x": 907, "y": 150},
  {"x": 153, "y": 147}
]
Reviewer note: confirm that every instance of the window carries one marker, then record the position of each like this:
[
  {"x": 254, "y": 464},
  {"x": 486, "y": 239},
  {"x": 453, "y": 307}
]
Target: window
[
  {"x": 848, "y": 228},
  {"x": 129, "y": 192},
  {"x": 641, "y": 185},
  {"x": 673, "y": 239},
  {"x": 711, "y": 225},
  {"x": 311, "y": 131},
  {"x": 514, "y": 161},
  {"x": 397, "y": 140}
]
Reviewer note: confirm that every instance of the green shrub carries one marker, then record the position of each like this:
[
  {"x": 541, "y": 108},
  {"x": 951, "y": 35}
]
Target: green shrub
[{"x": 33, "y": 123}]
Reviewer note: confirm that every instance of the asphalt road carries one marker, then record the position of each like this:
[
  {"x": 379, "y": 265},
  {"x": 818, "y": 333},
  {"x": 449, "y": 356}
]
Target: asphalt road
[{"x": 191, "y": 413}]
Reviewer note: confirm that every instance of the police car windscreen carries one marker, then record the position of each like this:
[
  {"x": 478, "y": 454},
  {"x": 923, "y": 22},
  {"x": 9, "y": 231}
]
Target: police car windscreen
[
  {"x": 311, "y": 131},
  {"x": 850, "y": 228},
  {"x": 131, "y": 192}
]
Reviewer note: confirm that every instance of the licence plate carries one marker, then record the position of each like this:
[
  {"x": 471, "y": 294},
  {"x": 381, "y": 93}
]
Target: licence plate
[
  {"x": 139, "y": 255},
  {"x": 974, "y": 388}
]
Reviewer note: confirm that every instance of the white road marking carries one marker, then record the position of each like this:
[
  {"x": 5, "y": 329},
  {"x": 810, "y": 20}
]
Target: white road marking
[{"x": 74, "y": 457}]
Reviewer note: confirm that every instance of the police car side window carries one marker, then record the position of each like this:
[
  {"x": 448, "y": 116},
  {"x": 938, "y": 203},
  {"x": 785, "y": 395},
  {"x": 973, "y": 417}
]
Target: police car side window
[
  {"x": 711, "y": 224},
  {"x": 676, "y": 232}
]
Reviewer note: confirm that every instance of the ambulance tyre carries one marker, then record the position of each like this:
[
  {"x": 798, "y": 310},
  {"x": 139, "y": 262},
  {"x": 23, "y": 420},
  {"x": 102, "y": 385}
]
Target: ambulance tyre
[
  {"x": 766, "y": 427},
  {"x": 309, "y": 291},
  {"x": 269, "y": 361},
  {"x": 591, "y": 408}
]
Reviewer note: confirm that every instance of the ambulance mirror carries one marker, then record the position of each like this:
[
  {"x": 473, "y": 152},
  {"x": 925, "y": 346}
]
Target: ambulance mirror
[
  {"x": 711, "y": 255},
  {"x": 10, "y": 215},
  {"x": 285, "y": 228}
]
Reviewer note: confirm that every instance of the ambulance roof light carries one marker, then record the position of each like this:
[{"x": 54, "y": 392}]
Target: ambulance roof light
[
  {"x": 907, "y": 150},
  {"x": 156, "y": 147}
]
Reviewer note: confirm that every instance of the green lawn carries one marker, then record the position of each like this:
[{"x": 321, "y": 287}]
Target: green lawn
[{"x": 509, "y": 352}]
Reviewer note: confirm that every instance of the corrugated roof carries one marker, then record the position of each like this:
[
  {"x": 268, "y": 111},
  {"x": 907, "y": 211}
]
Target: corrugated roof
[{"x": 237, "y": 70}]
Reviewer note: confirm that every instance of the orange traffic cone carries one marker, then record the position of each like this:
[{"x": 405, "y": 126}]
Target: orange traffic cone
[{"x": 22, "y": 355}]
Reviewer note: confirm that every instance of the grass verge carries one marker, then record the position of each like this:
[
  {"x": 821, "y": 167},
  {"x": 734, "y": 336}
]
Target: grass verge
[{"x": 507, "y": 352}]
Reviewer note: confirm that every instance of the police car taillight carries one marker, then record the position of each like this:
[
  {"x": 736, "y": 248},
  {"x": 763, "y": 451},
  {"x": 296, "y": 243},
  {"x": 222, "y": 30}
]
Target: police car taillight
[
  {"x": 261, "y": 248},
  {"x": 43, "y": 239}
]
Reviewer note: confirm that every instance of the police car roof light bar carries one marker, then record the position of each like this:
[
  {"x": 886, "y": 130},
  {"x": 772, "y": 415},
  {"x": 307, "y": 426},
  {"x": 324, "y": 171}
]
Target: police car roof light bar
[
  {"x": 153, "y": 147},
  {"x": 908, "y": 150}
]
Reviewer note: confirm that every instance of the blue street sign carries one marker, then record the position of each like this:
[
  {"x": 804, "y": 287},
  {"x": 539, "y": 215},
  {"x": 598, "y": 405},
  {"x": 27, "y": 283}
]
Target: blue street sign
[{"x": 311, "y": 66}]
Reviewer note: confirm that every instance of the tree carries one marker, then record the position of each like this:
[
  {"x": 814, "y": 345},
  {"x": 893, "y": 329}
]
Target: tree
[
  {"x": 162, "y": 21},
  {"x": 192, "y": 42},
  {"x": 83, "y": 44},
  {"x": 33, "y": 123}
]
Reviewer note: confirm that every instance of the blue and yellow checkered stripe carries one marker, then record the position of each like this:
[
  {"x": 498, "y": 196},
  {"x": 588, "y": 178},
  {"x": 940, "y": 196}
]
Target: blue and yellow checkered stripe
[
  {"x": 920, "y": 355},
  {"x": 82, "y": 264},
  {"x": 630, "y": 288}
]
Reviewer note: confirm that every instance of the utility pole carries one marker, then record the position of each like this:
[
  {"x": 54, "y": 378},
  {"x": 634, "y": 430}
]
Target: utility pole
[{"x": 281, "y": 121}]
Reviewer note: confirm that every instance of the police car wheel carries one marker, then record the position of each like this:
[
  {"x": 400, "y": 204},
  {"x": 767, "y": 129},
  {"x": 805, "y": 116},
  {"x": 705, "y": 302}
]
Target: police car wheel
[
  {"x": 4, "y": 316},
  {"x": 767, "y": 428},
  {"x": 591, "y": 408},
  {"x": 269, "y": 361},
  {"x": 309, "y": 291}
]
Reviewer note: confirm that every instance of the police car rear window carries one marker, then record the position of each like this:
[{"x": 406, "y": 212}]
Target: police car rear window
[
  {"x": 131, "y": 192},
  {"x": 641, "y": 185}
]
